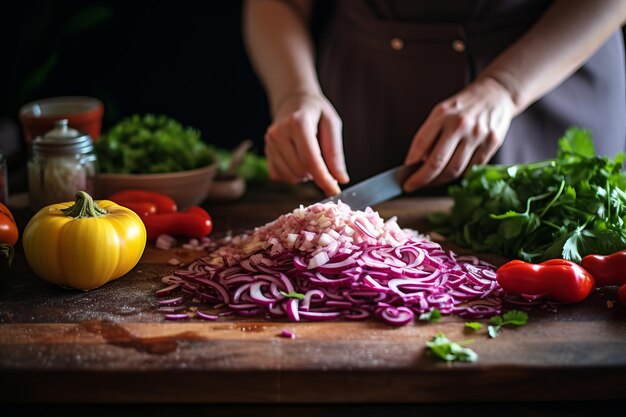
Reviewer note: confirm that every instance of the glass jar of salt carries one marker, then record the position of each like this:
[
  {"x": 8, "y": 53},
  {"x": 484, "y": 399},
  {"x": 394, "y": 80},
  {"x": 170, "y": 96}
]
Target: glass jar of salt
[{"x": 63, "y": 162}]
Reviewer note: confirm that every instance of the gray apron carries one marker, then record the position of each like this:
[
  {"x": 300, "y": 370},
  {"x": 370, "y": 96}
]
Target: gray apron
[{"x": 385, "y": 64}]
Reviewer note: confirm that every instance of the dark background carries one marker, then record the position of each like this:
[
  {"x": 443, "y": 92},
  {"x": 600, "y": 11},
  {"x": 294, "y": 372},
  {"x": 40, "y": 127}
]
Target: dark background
[
  {"x": 184, "y": 59},
  {"x": 179, "y": 58}
]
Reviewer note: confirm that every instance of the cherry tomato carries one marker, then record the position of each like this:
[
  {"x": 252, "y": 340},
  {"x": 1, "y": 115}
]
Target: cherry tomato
[{"x": 8, "y": 227}]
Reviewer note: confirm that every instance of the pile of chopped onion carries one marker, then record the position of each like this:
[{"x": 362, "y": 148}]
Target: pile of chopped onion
[{"x": 326, "y": 262}]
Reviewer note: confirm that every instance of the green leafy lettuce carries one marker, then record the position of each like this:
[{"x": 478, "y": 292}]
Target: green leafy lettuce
[
  {"x": 566, "y": 207},
  {"x": 151, "y": 144}
]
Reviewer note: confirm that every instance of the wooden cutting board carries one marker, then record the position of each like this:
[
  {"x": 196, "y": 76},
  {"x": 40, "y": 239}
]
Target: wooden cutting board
[{"x": 112, "y": 345}]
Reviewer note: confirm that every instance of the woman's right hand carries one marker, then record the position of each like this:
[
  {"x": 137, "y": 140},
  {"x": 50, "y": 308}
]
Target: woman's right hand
[{"x": 304, "y": 142}]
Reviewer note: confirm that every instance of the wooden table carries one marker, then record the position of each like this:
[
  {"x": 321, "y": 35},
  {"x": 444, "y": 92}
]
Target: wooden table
[{"x": 110, "y": 345}]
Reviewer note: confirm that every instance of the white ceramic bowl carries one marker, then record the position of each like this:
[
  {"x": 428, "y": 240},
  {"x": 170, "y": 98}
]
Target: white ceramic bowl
[{"x": 187, "y": 188}]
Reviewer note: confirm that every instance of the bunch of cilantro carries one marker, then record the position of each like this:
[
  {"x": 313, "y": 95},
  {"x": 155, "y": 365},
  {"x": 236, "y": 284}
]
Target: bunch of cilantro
[
  {"x": 151, "y": 144},
  {"x": 565, "y": 207}
]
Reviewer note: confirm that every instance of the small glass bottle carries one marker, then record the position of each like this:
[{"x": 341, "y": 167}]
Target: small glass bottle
[{"x": 63, "y": 162}]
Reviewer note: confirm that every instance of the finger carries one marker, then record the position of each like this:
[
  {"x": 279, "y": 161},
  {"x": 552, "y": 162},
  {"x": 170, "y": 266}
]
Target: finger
[
  {"x": 332, "y": 147},
  {"x": 281, "y": 151},
  {"x": 272, "y": 171},
  {"x": 307, "y": 147},
  {"x": 289, "y": 156},
  {"x": 269, "y": 155},
  {"x": 484, "y": 152},
  {"x": 436, "y": 161},
  {"x": 275, "y": 168},
  {"x": 284, "y": 170},
  {"x": 464, "y": 152},
  {"x": 425, "y": 137},
  {"x": 457, "y": 164}
]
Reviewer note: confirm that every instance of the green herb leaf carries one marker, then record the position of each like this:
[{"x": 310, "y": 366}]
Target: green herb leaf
[
  {"x": 293, "y": 294},
  {"x": 474, "y": 325},
  {"x": 493, "y": 331},
  {"x": 512, "y": 317},
  {"x": 515, "y": 318},
  {"x": 449, "y": 351},
  {"x": 577, "y": 141},
  {"x": 567, "y": 207},
  {"x": 432, "y": 315},
  {"x": 496, "y": 320}
]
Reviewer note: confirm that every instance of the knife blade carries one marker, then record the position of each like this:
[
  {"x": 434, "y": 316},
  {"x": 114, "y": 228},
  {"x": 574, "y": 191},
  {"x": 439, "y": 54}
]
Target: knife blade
[{"x": 376, "y": 189}]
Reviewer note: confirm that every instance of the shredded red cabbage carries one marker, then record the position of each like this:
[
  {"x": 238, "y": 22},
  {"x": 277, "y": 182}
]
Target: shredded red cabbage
[{"x": 326, "y": 262}]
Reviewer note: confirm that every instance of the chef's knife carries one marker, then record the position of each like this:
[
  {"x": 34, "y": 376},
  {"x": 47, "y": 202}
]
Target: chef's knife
[{"x": 374, "y": 190}]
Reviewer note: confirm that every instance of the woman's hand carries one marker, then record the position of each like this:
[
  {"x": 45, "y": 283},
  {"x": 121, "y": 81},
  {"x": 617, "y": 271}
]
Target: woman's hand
[
  {"x": 463, "y": 130},
  {"x": 304, "y": 142}
]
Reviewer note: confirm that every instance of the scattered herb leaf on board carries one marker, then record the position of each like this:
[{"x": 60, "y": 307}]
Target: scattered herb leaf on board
[
  {"x": 431, "y": 315},
  {"x": 474, "y": 325},
  {"x": 512, "y": 317},
  {"x": 449, "y": 351}
]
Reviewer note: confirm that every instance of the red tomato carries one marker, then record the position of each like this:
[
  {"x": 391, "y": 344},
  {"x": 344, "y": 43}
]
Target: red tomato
[
  {"x": 558, "y": 279},
  {"x": 8, "y": 227},
  {"x": 163, "y": 203}
]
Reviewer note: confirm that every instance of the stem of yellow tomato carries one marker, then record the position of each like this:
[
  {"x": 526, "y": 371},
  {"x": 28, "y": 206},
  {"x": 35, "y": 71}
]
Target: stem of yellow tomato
[{"x": 84, "y": 207}]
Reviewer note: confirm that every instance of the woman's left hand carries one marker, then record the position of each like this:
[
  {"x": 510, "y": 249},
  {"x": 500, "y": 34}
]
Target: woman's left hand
[{"x": 463, "y": 130}]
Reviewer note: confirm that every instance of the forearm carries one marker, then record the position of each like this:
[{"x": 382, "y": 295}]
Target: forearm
[
  {"x": 559, "y": 43},
  {"x": 280, "y": 47}
]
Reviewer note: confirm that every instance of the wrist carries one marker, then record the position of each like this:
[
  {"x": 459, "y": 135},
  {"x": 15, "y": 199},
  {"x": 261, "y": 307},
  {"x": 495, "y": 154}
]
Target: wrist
[
  {"x": 299, "y": 94},
  {"x": 506, "y": 85}
]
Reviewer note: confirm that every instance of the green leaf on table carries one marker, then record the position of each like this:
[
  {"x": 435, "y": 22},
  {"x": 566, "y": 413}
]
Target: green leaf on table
[
  {"x": 512, "y": 317},
  {"x": 493, "y": 331},
  {"x": 474, "y": 325},
  {"x": 449, "y": 351},
  {"x": 432, "y": 315},
  {"x": 515, "y": 317},
  {"x": 496, "y": 320}
]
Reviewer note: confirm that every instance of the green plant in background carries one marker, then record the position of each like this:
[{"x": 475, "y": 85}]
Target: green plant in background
[
  {"x": 40, "y": 35},
  {"x": 151, "y": 144},
  {"x": 253, "y": 167},
  {"x": 565, "y": 207}
]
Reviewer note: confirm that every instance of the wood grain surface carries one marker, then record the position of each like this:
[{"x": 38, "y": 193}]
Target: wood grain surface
[{"x": 111, "y": 345}]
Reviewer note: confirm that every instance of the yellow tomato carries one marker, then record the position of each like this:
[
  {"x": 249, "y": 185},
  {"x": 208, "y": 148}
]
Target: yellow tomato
[{"x": 83, "y": 244}]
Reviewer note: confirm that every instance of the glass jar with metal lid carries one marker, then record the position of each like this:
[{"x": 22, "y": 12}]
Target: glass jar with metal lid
[{"x": 63, "y": 162}]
